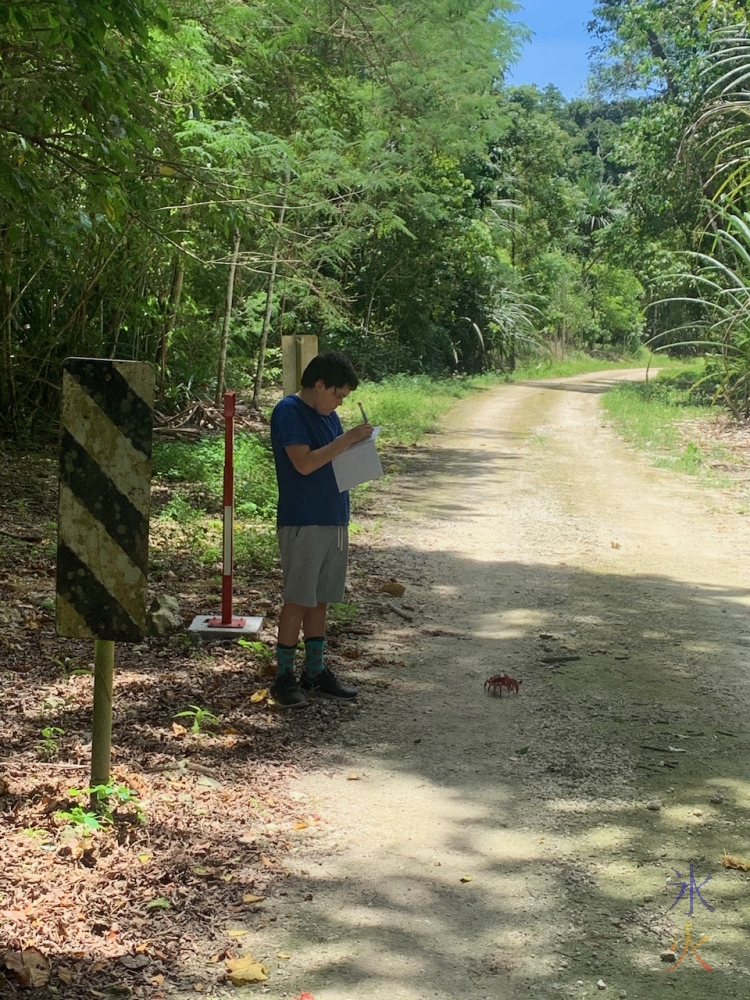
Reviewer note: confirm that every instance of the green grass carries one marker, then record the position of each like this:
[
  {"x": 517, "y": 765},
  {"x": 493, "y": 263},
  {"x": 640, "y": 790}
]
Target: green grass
[
  {"x": 579, "y": 363},
  {"x": 409, "y": 406},
  {"x": 649, "y": 415},
  {"x": 201, "y": 466}
]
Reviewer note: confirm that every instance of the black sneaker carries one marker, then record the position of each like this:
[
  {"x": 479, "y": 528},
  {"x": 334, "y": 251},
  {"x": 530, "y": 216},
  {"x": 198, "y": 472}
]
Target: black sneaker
[
  {"x": 286, "y": 693},
  {"x": 327, "y": 684}
]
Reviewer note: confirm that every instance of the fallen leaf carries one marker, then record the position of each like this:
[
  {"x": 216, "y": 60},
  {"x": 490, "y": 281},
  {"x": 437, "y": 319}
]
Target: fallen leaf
[
  {"x": 615, "y": 545},
  {"x": 178, "y": 730},
  {"x": 352, "y": 777},
  {"x": 144, "y": 858},
  {"x": 157, "y": 980},
  {"x": 246, "y": 970},
  {"x": 466, "y": 878},
  {"x": 301, "y": 825},
  {"x": 198, "y": 987},
  {"x": 260, "y": 695},
  {"x": 135, "y": 962},
  {"x": 160, "y": 903},
  {"x": 522, "y": 751},
  {"x": 732, "y": 861},
  {"x": 237, "y": 932},
  {"x": 305, "y": 996},
  {"x": 250, "y": 897},
  {"x": 393, "y": 588},
  {"x": 352, "y": 653},
  {"x": 283, "y": 954},
  {"x": 30, "y": 966},
  {"x": 203, "y": 870},
  {"x": 65, "y": 975}
]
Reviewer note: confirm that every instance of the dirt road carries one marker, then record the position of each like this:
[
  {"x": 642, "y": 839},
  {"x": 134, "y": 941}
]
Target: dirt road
[{"x": 496, "y": 847}]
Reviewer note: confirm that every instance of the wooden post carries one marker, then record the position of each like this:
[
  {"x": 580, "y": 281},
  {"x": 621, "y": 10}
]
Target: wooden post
[
  {"x": 101, "y": 736},
  {"x": 296, "y": 354}
]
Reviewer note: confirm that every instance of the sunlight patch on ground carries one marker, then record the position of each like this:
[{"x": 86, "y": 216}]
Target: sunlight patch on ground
[
  {"x": 589, "y": 805},
  {"x": 741, "y": 791},
  {"x": 606, "y": 837}
]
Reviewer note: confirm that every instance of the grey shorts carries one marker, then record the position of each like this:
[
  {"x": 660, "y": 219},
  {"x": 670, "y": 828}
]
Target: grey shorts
[{"x": 313, "y": 561}]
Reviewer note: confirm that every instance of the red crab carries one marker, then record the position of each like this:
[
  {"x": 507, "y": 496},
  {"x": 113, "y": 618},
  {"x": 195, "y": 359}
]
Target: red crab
[{"x": 495, "y": 685}]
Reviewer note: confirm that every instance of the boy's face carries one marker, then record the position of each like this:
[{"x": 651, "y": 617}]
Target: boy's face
[{"x": 328, "y": 397}]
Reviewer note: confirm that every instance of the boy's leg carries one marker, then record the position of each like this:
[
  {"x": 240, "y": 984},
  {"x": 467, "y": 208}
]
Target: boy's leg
[
  {"x": 317, "y": 677},
  {"x": 285, "y": 690},
  {"x": 314, "y": 632}
]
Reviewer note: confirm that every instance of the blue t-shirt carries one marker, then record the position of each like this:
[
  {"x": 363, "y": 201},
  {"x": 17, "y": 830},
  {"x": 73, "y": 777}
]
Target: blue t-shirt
[{"x": 313, "y": 499}]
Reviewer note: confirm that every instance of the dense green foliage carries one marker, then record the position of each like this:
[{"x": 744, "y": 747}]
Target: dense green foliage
[{"x": 184, "y": 180}]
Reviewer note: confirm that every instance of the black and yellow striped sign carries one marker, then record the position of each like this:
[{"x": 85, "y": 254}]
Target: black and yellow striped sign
[{"x": 105, "y": 482}]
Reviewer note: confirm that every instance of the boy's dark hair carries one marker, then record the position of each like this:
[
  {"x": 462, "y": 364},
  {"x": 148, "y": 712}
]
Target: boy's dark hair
[{"x": 334, "y": 368}]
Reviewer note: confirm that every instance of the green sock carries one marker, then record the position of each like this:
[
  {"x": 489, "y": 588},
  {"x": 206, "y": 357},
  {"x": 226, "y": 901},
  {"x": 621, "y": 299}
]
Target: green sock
[
  {"x": 285, "y": 660},
  {"x": 314, "y": 655}
]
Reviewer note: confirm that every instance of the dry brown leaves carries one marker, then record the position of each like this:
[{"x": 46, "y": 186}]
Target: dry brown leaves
[{"x": 140, "y": 906}]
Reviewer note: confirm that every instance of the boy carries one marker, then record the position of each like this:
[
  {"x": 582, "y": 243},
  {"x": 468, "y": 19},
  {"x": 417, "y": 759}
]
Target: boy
[{"x": 312, "y": 522}]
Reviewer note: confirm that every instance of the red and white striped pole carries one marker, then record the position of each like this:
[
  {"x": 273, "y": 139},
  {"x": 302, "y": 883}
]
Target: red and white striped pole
[{"x": 227, "y": 619}]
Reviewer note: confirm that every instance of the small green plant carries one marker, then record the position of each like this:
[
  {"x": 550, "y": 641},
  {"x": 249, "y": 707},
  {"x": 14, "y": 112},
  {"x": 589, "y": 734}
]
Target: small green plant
[
  {"x": 264, "y": 652},
  {"x": 36, "y": 832},
  {"x": 104, "y": 801},
  {"x": 179, "y": 509},
  {"x": 201, "y": 717},
  {"x": 342, "y": 614},
  {"x": 47, "y": 746},
  {"x": 68, "y": 666},
  {"x": 84, "y": 819}
]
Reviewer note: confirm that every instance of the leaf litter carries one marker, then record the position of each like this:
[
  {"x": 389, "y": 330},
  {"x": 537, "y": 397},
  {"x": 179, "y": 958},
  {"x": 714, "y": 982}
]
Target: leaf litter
[{"x": 134, "y": 906}]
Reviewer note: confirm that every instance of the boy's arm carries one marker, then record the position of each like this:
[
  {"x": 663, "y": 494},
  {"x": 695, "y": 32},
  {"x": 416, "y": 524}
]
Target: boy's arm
[{"x": 305, "y": 460}]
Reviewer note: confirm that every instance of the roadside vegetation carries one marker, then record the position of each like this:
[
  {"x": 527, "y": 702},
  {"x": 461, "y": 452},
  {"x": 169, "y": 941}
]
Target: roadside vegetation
[
  {"x": 190, "y": 182},
  {"x": 672, "y": 418},
  {"x": 408, "y": 407}
]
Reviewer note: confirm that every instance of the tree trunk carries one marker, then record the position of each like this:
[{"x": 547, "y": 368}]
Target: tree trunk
[
  {"x": 175, "y": 294},
  {"x": 269, "y": 300},
  {"x": 7, "y": 380},
  {"x": 227, "y": 317}
]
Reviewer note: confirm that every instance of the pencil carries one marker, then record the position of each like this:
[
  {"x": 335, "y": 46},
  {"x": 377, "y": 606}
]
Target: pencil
[{"x": 362, "y": 411}]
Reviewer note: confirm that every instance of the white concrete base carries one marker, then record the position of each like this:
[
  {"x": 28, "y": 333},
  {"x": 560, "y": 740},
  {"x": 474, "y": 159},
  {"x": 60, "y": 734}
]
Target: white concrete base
[{"x": 199, "y": 627}]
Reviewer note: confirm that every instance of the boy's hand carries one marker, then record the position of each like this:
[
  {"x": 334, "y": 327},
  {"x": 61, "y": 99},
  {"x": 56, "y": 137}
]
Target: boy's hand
[
  {"x": 360, "y": 432},
  {"x": 306, "y": 461}
]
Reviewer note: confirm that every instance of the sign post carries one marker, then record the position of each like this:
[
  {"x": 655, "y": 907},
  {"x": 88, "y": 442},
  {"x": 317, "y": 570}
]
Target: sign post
[
  {"x": 101, "y": 734},
  {"x": 102, "y": 551}
]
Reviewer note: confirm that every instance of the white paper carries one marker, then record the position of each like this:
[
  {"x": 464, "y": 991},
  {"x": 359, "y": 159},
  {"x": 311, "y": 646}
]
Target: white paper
[{"x": 358, "y": 464}]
